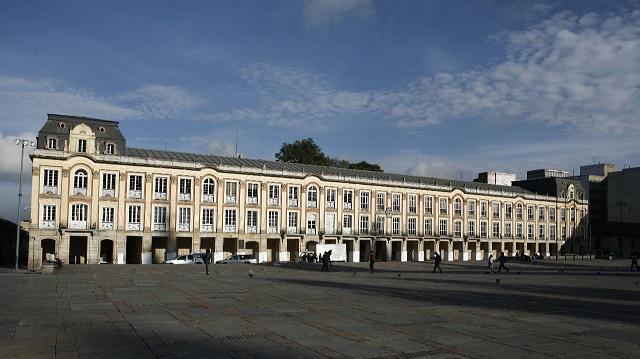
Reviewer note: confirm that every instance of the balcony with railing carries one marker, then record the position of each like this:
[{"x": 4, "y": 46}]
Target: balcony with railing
[
  {"x": 160, "y": 195},
  {"x": 49, "y": 189},
  {"x": 292, "y": 202},
  {"x": 184, "y": 196},
  {"x": 184, "y": 227},
  {"x": 272, "y": 230},
  {"x": 160, "y": 227},
  {"x": 346, "y": 230},
  {"x": 207, "y": 198},
  {"x": 134, "y": 194},
  {"x": 106, "y": 226},
  {"x": 292, "y": 230},
  {"x": 48, "y": 224},
  {"x": 207, "y": 228},
  {"x": 312, "y": 204},
  {"x": 77, "y": 224},
  {"x": 252, "y": 229},
  {"x": 331, "y": 204},
  {"x": 230, "y": 199},
  {"x": 311, "y": 231},
  {"x": 252, "y": 200},
  {"x": 107, "y": 193},
  {"x": 133, "y": 226},
  {"x": 228, "y": 228},
  {"x": 348, "y": 205},
  {"x": 79, "y": 191},
  {"x": 273, "y": 202}
]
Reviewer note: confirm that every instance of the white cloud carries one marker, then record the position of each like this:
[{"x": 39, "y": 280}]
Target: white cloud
[
  {"x": 155, "y": 101},
  {"x": 576, "y": 73},
  {"x": 319, "y": 13}
]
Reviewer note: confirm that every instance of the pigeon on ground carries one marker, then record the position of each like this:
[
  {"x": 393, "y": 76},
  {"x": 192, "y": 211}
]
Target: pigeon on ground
[
  {"x": 250, "y": 274},
  {"x": 399, "y": 275}
]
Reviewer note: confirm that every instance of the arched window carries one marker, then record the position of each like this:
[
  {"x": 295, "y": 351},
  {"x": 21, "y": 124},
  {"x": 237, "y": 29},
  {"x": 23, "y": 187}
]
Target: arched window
[
  {"x": 312, "y": 196},
  {"x": 208, "y": 189},
  {"x": 457, "y": 207},
  {"x": 209, "y": 186},
  {"x": 80, "y": 179},
  {"x": 519, "y": 211}
]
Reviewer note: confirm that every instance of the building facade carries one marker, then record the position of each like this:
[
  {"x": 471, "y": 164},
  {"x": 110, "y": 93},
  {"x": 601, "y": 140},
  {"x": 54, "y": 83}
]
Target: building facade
[{"x": 96, "y": 200}]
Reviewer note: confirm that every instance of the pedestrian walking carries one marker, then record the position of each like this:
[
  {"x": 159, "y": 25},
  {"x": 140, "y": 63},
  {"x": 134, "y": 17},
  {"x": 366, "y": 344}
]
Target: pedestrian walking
[
  {"x": 207, "y": 259},
  {"x": 490, "y": 264},
  {"x": 634, "y": 261},
  {"x": 437, "y": 259},
  {"x": 503, "y": 260},
  {"x": 372, "y": 260},
  {"x": 325, "y": 262}
]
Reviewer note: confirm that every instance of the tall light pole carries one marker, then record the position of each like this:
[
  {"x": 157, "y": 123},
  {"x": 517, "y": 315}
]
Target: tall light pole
[{"x": 22, "y": 143}]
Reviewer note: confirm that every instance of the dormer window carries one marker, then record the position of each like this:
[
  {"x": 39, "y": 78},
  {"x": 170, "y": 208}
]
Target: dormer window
[
  {"x": 52, "y": 143},
  {"x": 110, "y": 149},
  {"x": 82, "y": 146}
]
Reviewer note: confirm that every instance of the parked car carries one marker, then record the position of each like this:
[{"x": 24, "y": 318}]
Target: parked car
[
  {"x": 238, "y": 258},
  {"x": 198, "y": 258},
  {"x": 186, "y": 259}
]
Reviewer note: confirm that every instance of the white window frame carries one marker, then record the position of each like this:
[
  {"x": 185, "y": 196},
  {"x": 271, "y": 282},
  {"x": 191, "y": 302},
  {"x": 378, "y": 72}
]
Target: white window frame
[
  {"x": 471, "y": 229},
  {"x": 160, "y": 187},
  {"x": 134, "y": 217},
  {"x": 331, "y": 197},
  {"x": 380, "y": 201},
  {"x": 230, "y": 219},
  {"x": 184, "y": 219},
  {"x": 428, "y": 226},
  {"x": 365, "y": 197},
  {"x": 208, "y": 219},
  {"x": 137, "y": 181},
  {"x": 443, "y": 227},
  {"x": 160, "y": 218},
  {"x": 209, "y": 189},
  {"x": 428, "y": 204},
  {"x": 364, "y": 224},
  {"x": 457, "y": 206},
  {"x": 185, "y": 188},
  {"x": 457, "y": 229},
  {"x": 49, "y": 214},
  {"x": 252, "y": 222},
  {"x": 231, "y": 192},
  {"x": 412, "y": 226},
  {"x": 273, "y": 195},
  {"x": 273, "y": 224},
  {"x": 412, "y": 203},
  {"x": 293, "y": 196},
  {"x": 347, "y": 198},
  {"x": 347, "y": 223},
  {"x": 292, "y": 222},
  {"x": 395, "y": 225},
  {"x": 396, "y": 202},
  {"x": 312, "y": 196},
  {"x": 50, "y": 181},
  {"x": 312, "y": 223},
  {"x": 443, "y": 206}
]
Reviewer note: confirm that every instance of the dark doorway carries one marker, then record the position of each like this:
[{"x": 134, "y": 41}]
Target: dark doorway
[
  {"x": 412, "y": 251},
  {"x": 429, "y": 249},
  {"x": 48, "y": 246},
  {"x": 184, "y": 245},
  {"x": 134, "y": 250},
  {"x": 273, "y": 247},
  {"x": 365, "y": 248},
  {"x": 229, "y": 247},
  {"x": 78, "y": 250},
  {"x": 293, "y": 247},
  {"x": 396, "y": 250},
  {"x": 207, "y": 243},
  {"x": 381, "y": 251},
  {"x": 159, "y": 249},
  {"x": 252, "y": 247},
  {"x": 349, "y": 245},
  {"x": 106, "y": 251}
]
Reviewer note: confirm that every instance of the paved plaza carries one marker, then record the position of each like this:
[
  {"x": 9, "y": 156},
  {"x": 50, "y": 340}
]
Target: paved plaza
[{"x": 564, "y": 309}]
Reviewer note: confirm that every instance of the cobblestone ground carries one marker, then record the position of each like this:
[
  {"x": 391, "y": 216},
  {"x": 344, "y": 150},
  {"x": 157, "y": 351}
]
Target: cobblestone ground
[{"x": 564, "y": 309}]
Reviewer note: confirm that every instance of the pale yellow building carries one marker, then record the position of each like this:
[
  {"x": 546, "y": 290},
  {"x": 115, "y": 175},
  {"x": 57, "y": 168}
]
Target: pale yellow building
[{"x": 95, "y": 199}]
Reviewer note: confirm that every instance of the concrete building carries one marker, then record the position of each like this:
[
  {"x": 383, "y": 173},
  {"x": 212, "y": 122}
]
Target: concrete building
[
  {"x": 546, "y": 173},
  {"x": 499, "y": 178},
  {"x": 623, "y": 196},
  {"x": 96, "y": 199}
]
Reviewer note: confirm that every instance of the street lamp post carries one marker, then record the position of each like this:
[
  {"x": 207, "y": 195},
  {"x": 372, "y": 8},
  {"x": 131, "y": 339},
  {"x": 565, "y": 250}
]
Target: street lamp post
[{"x": 22, "y": 143}]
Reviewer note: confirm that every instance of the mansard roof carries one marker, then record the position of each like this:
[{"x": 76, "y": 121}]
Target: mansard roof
[
  {"x": 111, "y": 129},
  {"x": 319, "y": 171}
]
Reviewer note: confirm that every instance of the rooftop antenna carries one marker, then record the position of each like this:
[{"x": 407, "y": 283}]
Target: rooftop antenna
[
  {"x": 165, "y": 144},
  {"x": 237, "y": 144}
]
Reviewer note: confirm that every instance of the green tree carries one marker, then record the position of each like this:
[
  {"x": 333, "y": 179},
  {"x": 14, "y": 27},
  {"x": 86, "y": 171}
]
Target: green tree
[
  {"x": 306, "y": 151},
  {"x": 364, "y": 165},
  {"x": 303, "y": 151}
]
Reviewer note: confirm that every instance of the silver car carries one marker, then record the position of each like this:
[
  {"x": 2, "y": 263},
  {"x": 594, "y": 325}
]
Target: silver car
[
  {"x": 186, "y": 259},
  {"x": 238, "y": 258}
]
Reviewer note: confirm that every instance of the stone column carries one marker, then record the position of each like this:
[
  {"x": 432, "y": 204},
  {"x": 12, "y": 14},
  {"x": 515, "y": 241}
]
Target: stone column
[
  {"x": 389, "y": 250},
  {"x": 217, "y": 250},
  {"x": 147, "y": 252},
  {"x": 465, "y": 251},
  {"x": 403, "y": 250},
  {"x": 421, "y": 251},
  {"x": 450, "y": 250}
]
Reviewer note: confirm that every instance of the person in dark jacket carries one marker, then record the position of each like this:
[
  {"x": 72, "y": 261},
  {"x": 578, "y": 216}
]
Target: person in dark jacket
[
  {"x": 503, "y": 260},
  {"x": 207, "y": 259},
  {"x": 436, "y": 260},
  {"x": 634, "y": 261},
  {"x": 325, "y": 262},
  {"x": 372, "y": 260}
]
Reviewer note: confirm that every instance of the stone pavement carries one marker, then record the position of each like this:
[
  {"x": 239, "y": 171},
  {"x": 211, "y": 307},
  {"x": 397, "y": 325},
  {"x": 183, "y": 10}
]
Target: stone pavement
[{"x": 572, "y": 309}]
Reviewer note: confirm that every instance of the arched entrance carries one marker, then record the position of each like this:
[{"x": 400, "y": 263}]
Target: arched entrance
[
  {"x": 48, "y": 246},
  {"x": 106, "y": 251}
]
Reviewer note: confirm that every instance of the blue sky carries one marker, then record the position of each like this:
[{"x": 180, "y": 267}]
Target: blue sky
[{"x": 438, "y": 88}]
